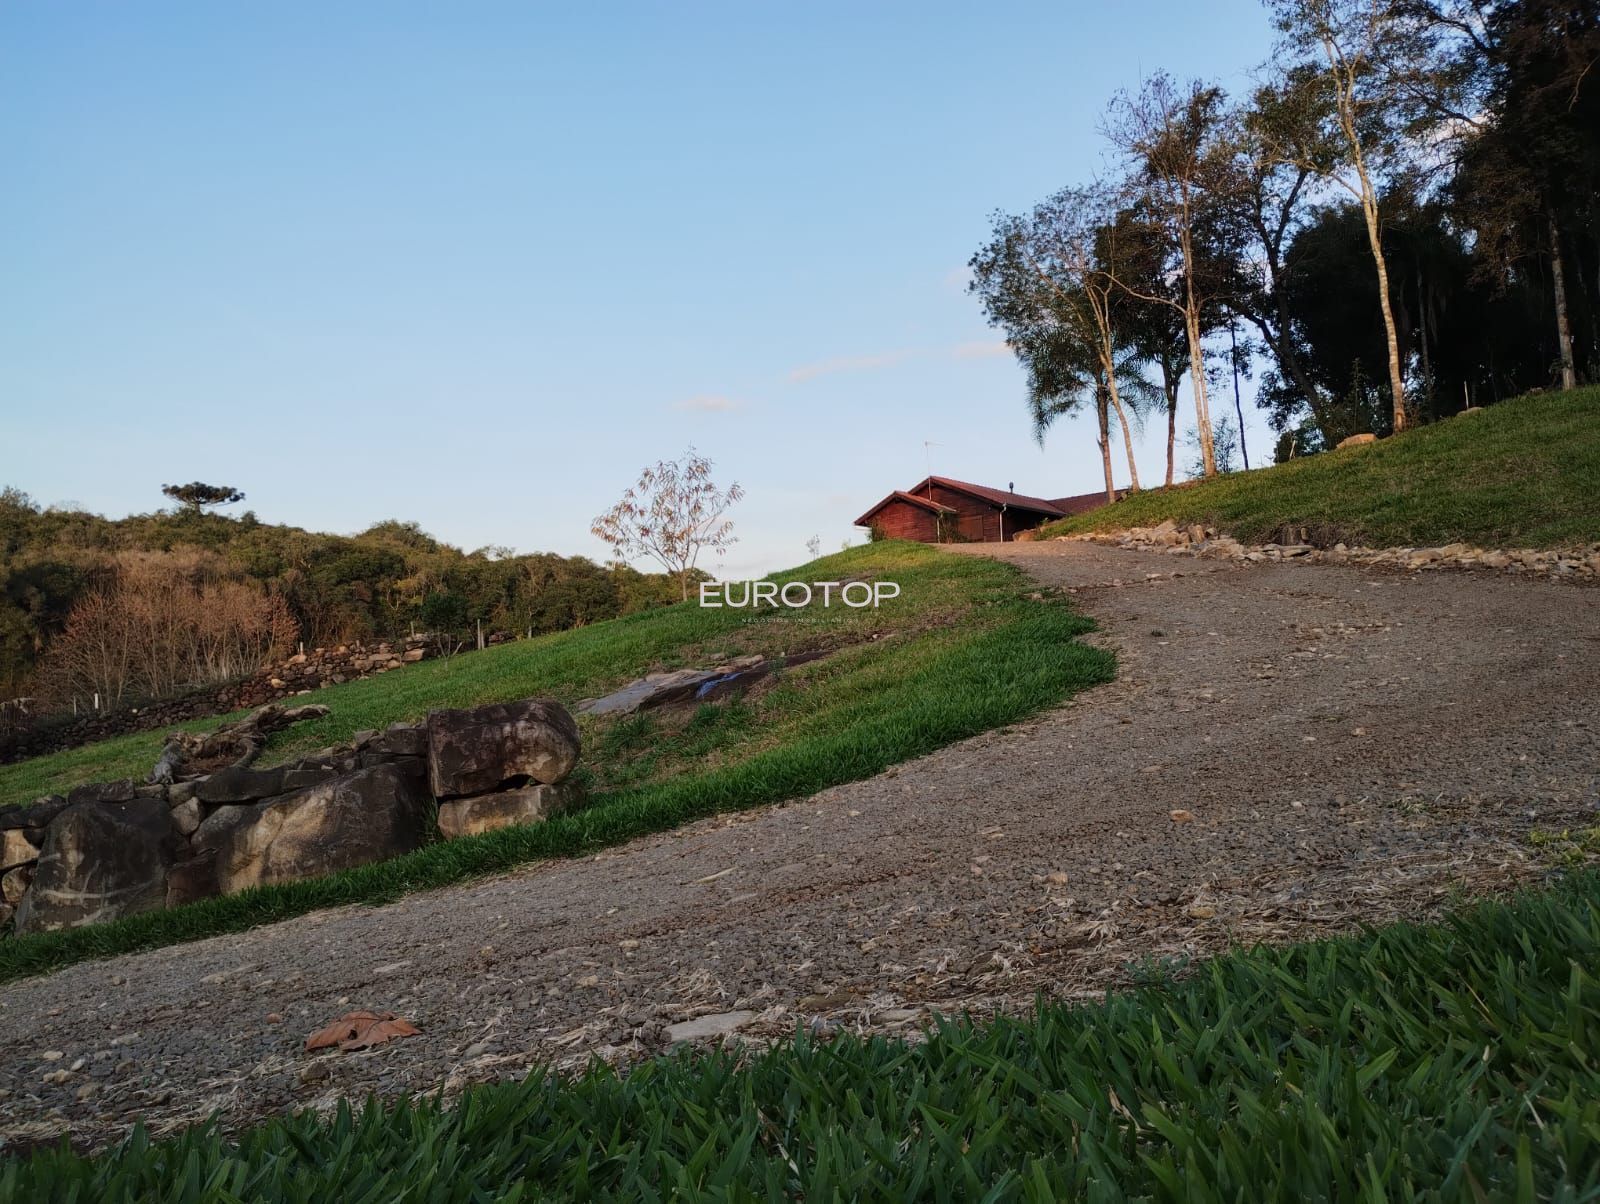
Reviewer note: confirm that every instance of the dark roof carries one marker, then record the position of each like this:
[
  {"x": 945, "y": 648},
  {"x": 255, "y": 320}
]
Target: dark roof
[
  {"x": 900, "y": 495},
  {"x": 1082, "y": 503},
  {"x": 998, "y": 497}
]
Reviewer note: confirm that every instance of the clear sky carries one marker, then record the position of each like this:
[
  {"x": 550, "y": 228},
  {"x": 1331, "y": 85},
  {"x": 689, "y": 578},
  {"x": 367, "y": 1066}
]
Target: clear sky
[{"x": 477, "y": 264}]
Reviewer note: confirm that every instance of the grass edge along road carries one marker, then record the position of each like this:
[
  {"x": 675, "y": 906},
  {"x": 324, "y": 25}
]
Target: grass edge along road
[
  {"x": 995, "y": 656},
  {"x": 1454, "y": 1060},
  {"x": 1524, "y": 473}
]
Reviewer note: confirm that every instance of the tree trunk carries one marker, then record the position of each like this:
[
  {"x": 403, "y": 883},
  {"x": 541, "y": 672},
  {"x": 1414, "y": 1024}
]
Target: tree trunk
[
  {"x": 1197, "y": 361},
  {"x": 1169, "y": 384},
  {"x": 1238, "y": 406},
  {"x": 1103, "y": 413},
  {"x": 1397, "y": 387},
  {"x": 1127, "y": 432},
  {"x": 1558, "y": 276},
  {"x": 1197, "y": 382}
]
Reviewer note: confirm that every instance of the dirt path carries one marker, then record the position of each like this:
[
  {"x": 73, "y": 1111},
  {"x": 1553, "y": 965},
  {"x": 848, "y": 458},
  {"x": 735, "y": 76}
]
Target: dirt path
[{"x": 1350, "y": 746}]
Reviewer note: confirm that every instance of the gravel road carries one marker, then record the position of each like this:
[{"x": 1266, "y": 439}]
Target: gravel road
[{"x": 1338, "y": 745}]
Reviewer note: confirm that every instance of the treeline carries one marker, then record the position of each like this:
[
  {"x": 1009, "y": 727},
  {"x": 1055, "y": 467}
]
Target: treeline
[
  {"x": 1398, "y": 221},
  {"x": 144, "y": 606}
]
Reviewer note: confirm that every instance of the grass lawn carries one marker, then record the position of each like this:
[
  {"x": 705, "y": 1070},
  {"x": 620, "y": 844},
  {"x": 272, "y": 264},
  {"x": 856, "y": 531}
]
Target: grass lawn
[
  {"x": 1521, "y": 474},
  {"x": 963, "y": 649},
  {"x": 1441, "y": 1063}
]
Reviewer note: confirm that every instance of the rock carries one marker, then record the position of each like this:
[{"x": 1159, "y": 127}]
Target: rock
[
  {"x": 364, "y": 737},
  {"x": 470, "y": 752},
  {"x": 413, "y": 655},
  {"x": 370, "y": 815},
  {"x": 240, "y": 785},
  {"x": 1357, "y": 440},
  {"x": 194, "y": 879},
  {"x": 120, "y": 791},
  {"x": 303, "y": 776},
  {"x": 703, "y": 1027},
  {"x": 186, "y": 817},
  {"x": 181, "y": 792},
  {"x": 503, "y": 809},
  {"x": 17, "y": 847},
  {"x": 14, "y": 884},
  {"x": 214, "y": 829},
  {"x": 402, "y": 740},
  {"x": 653, "y": 689},
  {"x": 36, "y": 814},
  {"x": 99, "y": 864}
]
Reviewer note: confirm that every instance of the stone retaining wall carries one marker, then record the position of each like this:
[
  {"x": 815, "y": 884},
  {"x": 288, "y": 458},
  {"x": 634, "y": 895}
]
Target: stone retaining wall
[
  {"x": 1197, "y": 540},
  {"x": 110, "y": 849}
]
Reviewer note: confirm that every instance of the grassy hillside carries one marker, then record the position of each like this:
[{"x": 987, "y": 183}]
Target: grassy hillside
[
  {"x": 1448, "y": 1062},
  {"x": 1524, "y": 473},
  {"x": 961, "y": 650}
]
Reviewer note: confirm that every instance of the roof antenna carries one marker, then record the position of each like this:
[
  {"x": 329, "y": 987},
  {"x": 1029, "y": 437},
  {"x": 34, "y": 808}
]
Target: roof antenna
[
  {"x": 927, "y": 450},
  {"x": 1012, "y": 486}
]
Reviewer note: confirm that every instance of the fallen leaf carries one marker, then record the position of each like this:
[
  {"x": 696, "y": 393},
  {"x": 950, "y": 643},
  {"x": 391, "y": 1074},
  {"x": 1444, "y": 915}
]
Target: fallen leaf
[
  {"x": 1181, "y": 816},
  {"x": 360, "y": 1030},
  {"x": 385, "y": 1030}
]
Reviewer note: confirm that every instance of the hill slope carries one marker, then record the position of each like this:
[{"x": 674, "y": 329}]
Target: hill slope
[
  {"x": 1524, "y": 473},
  {"x": 963, "y": 649}
]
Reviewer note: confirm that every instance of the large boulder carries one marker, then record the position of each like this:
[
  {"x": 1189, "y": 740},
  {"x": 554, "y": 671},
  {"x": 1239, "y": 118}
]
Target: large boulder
[
  {"x": 503, "y": 809},
  {"x": 489, "y": 747},
  {"x": 100, "y": 863},
  {"x": 370, "y": 815},
  {"x": 36, "y": 814}
]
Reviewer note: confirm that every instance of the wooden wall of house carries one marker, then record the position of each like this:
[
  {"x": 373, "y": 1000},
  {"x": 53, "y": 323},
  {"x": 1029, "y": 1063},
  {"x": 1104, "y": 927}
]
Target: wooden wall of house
[
  {"x": 974, "y": 519},
  {"x": 902, "y": 520}
]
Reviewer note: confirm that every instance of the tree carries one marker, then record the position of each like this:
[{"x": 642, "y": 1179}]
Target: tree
[
  {"x": 1048, "y": 280},
  {"x": 1530, "y": 166},
  {"x": 673, "y": 514},
  {"x": 1173, "y": 140},
  {"x": 197, "y": 495},
  {"x": 1273, "y": 143},
  {"x": 1359, "y": 59}
]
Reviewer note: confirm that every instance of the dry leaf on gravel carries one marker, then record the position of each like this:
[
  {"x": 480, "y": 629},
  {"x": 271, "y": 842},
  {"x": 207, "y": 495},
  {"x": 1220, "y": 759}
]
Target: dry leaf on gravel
[{"x": 361, "y": 1030}]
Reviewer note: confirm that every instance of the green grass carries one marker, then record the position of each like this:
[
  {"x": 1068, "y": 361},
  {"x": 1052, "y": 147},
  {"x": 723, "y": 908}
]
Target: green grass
[
  {"x": 1521, "y": 474},
  {"x": 1452, "y": 1062},
  {"x": 961, "y": 651}
]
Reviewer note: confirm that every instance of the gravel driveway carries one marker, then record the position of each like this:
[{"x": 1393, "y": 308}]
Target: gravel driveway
[{"x": 1288, "y": 750}]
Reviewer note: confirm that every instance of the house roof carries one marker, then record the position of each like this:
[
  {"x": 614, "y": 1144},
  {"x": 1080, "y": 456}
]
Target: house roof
[
  {"x": 996, "y": 497},
  {"x": 900, "y": 495},
  {"x": 1082, "y": 503}
]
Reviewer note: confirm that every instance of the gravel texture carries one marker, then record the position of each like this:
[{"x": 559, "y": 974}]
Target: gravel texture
[{"x": 1289, "y": 750}]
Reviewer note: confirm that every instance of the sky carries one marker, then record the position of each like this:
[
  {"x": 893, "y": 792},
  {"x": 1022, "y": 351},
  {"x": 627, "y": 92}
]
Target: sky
[{"x": 476, "y": 265}]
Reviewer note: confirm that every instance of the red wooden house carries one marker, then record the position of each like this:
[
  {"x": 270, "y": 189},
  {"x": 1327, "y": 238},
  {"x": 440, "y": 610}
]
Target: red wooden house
[{"x": 941, "y": 510}]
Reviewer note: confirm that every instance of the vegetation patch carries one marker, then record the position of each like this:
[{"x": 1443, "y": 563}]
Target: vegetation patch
[
  {"x": 1521, "y": 474},
  {"x": 1446, "y": 1062},
  {"x": 963, "y": 649}
]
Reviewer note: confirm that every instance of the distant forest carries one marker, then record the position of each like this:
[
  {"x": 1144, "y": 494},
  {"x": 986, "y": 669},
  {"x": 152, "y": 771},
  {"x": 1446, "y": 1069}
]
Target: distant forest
[{"x": 145, "y": 606}]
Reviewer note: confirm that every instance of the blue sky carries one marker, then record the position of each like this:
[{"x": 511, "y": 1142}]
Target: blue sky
[{"x": 475, "y": 265}]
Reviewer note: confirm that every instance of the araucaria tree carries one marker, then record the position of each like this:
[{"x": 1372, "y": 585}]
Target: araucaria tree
[
  {"x": 197, "y": 495},
  {"x": 1048, "y": 280},
  {"x": 673, "y": 514}
]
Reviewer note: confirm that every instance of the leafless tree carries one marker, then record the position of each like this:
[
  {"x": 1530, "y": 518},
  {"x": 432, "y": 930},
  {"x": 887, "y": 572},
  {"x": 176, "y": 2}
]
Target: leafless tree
[{"x": 671, "y": 515}]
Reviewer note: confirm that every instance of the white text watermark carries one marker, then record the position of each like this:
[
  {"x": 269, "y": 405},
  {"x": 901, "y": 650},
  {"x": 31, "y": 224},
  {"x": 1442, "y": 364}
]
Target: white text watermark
[{"x": 796, "y": 594}]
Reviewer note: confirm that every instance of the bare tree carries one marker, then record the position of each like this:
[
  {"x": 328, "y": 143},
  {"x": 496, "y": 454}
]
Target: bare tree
[
  {"x": 673, "y": 514},
  {"x": 1172, "y": 137}
]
